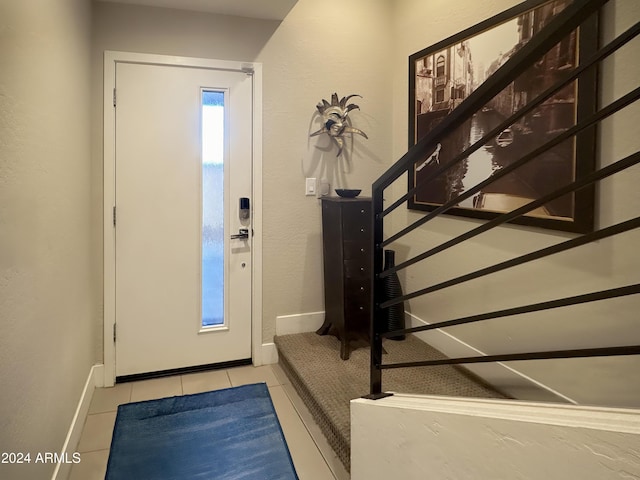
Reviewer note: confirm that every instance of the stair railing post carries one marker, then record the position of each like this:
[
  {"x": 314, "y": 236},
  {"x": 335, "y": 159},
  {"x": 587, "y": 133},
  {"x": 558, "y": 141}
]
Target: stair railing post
[{"x": 375, "y": 376}]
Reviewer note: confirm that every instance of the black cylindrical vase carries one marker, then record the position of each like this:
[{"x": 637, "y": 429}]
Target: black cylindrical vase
[{"x": 393, "y": 289}]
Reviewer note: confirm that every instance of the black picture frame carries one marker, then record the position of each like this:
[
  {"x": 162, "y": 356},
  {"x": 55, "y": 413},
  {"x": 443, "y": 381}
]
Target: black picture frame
[{"x": 442, "y": 75}]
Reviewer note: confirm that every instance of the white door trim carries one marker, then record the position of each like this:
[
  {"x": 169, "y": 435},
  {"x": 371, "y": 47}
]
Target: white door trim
[{"x": 110, "y": 60}]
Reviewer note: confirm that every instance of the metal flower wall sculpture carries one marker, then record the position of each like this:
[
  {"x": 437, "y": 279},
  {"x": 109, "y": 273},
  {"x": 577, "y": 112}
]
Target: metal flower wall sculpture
[{"x": 334, "y": 119}]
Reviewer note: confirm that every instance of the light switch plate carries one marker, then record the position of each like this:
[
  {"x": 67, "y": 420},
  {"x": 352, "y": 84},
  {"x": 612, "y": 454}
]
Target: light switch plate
[{"x": 310, "y": 187}]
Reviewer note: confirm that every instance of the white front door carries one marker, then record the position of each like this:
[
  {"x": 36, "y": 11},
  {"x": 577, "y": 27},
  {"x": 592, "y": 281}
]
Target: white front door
[{"x": 182, "y": 283}]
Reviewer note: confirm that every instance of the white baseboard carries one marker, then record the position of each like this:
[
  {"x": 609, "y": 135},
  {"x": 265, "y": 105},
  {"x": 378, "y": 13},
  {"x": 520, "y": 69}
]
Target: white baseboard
[
  {"x": 299, "y": 323},
  {"x": 269, "y": 354},
  {"x": 288, "y": 324},
  {"x": 501, "y": 376},
  {"x": 95, "y": 379}
]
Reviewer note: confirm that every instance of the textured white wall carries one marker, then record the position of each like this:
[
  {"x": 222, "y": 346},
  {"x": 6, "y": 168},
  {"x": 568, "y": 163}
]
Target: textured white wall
[
  {"x": 304, "y": 60},
  {"x": 606, "y": 264},
  {"x": 410, "y": 437},
  {"x": 46, "y": 333}
]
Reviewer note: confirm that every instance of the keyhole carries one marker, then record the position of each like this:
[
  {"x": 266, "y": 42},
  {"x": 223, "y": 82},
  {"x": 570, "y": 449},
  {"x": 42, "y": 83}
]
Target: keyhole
[{"x": 243, "y": 265}]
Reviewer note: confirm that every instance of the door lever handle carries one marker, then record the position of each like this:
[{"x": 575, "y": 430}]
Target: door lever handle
[{"x": 242, "y": 234}]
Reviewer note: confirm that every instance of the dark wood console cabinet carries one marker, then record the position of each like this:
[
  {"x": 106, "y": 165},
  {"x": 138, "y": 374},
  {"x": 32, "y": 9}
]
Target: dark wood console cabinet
[{"x": 347, "y": 239}]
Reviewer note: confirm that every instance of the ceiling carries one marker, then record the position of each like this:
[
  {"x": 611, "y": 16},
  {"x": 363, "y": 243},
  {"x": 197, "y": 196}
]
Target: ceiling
[{"x": 265, "y": 9}]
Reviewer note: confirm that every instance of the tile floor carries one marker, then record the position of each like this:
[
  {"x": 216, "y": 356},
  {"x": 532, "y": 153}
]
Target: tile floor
[{"x": 311, "y": 455}]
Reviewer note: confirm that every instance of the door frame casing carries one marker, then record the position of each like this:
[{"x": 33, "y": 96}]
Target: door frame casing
[{"x": 111, "y": 58}]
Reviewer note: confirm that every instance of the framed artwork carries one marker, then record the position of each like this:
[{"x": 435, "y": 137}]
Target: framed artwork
[{"x": 443, "y": 75}]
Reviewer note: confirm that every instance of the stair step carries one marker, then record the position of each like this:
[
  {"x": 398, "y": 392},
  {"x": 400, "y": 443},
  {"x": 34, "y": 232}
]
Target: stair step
[{"x": 326, "y": 383}]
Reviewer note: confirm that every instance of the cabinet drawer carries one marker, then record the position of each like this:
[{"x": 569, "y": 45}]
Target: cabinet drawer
[
  {"x": 355, "y": 269},
  {"x": 357, "y": 231},
  {"x": 356, "y": 250},
  {"x": 357, "y": 305},
  {"x": 358, "y": 288}
]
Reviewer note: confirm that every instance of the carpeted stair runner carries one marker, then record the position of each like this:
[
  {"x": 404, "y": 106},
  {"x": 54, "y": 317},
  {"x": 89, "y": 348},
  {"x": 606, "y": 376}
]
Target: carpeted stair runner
[{"x": 326, "y": 383}]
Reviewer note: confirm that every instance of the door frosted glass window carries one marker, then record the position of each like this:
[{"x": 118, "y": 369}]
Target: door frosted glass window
[{"x": 212, "y": 208}]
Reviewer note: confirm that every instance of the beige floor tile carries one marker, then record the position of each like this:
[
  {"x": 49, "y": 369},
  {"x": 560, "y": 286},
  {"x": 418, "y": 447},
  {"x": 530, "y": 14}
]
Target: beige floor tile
[
  {"x": 250, "y": 374},
  {"x": 205, "y": 381},
  {"x": 156, "y": 388},
  {"x": 107, "y": 399},
  {"x": 92, "y": 466},
  {"x": 97, "y": 432},
  {"x": 307, "y": 459},
  {"x": 280, "y": 374},
  {"x": 334, "y": 463}
]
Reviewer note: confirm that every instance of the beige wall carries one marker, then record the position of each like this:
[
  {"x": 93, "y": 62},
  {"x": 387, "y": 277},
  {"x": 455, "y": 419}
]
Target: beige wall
[
  {"x": 607, "y": 264},
  {"x": 317, "y": 50},
  {"x": 46, "y": 331},
  {"x": 303, "y": 61}
]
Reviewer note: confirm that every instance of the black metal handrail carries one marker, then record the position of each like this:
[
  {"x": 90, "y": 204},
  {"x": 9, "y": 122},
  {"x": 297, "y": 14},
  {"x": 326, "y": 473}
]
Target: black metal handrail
[
  {"x": 561, "y": 25},
  {"x": 580, "y": 126},
  {"x": 529, "y": 257},
  {"x": 534, "y": 307}
]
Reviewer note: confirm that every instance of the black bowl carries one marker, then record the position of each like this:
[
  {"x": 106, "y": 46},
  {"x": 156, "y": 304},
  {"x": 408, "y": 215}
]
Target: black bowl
[{"x": 347, "y": 193}]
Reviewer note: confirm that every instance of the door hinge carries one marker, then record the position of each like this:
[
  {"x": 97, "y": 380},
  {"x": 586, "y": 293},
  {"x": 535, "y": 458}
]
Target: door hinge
[
  {"x": 114, "y": 215},
  {"x": 114, "y": 97},
  {"x": 114, "y": 333}
]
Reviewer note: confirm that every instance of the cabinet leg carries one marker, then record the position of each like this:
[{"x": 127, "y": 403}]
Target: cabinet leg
[
  {"x": 344, "y": 350},
  {"x": 324, "y": 329}
]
